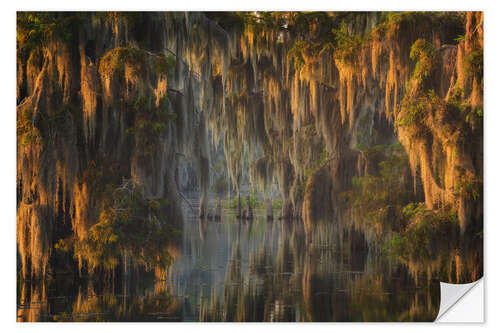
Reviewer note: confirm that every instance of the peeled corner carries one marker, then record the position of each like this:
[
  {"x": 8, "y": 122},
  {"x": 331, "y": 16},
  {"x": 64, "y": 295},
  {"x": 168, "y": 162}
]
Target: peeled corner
[{"x": 459, "y": 304}]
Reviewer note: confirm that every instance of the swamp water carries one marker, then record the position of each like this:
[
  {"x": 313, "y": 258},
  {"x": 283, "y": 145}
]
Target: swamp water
[{"x": 245, "y": 271}]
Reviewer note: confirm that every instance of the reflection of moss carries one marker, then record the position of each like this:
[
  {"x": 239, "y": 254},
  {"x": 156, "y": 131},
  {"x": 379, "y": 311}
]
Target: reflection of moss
[{"x": 110, "y": 307}]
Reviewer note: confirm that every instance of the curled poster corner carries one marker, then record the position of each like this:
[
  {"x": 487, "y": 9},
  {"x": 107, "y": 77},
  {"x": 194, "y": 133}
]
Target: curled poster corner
[{"x": 455, "y": 302}]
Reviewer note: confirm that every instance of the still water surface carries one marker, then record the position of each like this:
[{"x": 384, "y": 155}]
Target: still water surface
[{"x": 251, "y": 271}]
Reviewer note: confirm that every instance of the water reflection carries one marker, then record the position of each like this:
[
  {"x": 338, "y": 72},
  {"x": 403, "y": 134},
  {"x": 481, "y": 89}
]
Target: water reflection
[
  {"x": 251, "y": 271},
  {"x": 279, "y": 277}
]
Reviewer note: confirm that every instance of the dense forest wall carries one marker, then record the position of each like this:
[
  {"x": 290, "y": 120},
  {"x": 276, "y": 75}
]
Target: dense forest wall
[{"x": 316, "y": 102}]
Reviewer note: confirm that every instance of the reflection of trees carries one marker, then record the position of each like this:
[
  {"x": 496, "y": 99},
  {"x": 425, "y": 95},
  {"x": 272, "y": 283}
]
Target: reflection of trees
[
  {"x": 273, "y": 274},
  {"x": 32, "y": 304},
  {"x": 154, "y": 304},
  {"x": 300, "y": 282},
  {"x": 92, "y": 304}
]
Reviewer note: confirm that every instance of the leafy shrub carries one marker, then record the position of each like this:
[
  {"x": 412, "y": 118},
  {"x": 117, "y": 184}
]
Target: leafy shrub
[
  {"x": 163, "y": 64},
  {"x": 114, "y": 60},
  {"x": 348, "y": 45},
  {"x": 149, "y": 123},
  {"x": 424, "y": 53},
  {"x": 428, "y": 233},
  {"x": 473, "y": 63},
  {"x": 27, "y": 133},
  {"x": 277, "y": 204},
  {"x": 132, "y": 224},
  {"x": 377, "y": 199},
  {"x": 318, "y": 164},
  {"x": 34, "y": 29},
  {"x": 468, "y": 185}
]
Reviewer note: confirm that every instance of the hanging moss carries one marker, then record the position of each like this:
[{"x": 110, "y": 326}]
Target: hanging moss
[{"x": 283, "y": 86}]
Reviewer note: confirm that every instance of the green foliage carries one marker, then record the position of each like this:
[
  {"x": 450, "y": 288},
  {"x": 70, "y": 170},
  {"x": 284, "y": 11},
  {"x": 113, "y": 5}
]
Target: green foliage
[
  {"x": 318, "y": 164},
  {"x": 424, "y": 53},
  {"x": 313, "y": 26},
  {"x": 348, "y": 45},
  {"x": 42, "y": 127},
  {"x": 130, "y": 224},
  {"x": 400, "y": 22},
  {"x": 163, "y": 64},
  {"x": 231, "y": 204},
  {"x": 229, "y": 21},
  {"x": 378, "y": 199},
  {"x": 413, "y": 112},
  {"x": 27, "y": 133},
  {"x": 114, "y": 60},
  {"x": 277, "y": 204},
  {"x": 428, "y": 233},
  {"x": 413, "y": 208},
  {"x": 295, "y": 53},
  {"x": 64, "y": 245},
  {"x": 260, "y": 21},
  {"x": 460, "y": 38},
  {"x": 251, "y": 199},
  {"x": 473, "y": 63},
  {"x": 318, "y": 32},
  {"x": 149, "y": 123},
  {"x": 474, "y": 116},
  {"x": 102, "y": 178},
  {"x": 468, "y": 185},
  {"x": 35, "y": 29},
  {"x": 415, "y": 108}
]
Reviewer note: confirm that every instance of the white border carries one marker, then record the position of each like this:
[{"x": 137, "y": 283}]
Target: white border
[{"x": 8, "y": 153}]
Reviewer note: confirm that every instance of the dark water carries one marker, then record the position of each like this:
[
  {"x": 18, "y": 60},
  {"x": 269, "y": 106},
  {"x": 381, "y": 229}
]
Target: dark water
[{"x": 250, "y": 271}]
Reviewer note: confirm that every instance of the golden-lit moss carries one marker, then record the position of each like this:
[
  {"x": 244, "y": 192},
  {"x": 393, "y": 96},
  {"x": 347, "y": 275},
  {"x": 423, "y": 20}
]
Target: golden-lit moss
[
  {"x": 115, "y": 60},
  {"x": 287, "y": 86}
]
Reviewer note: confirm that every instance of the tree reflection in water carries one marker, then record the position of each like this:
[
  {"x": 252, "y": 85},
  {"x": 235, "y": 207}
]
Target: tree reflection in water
[{"x": 255, "y": 271}]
